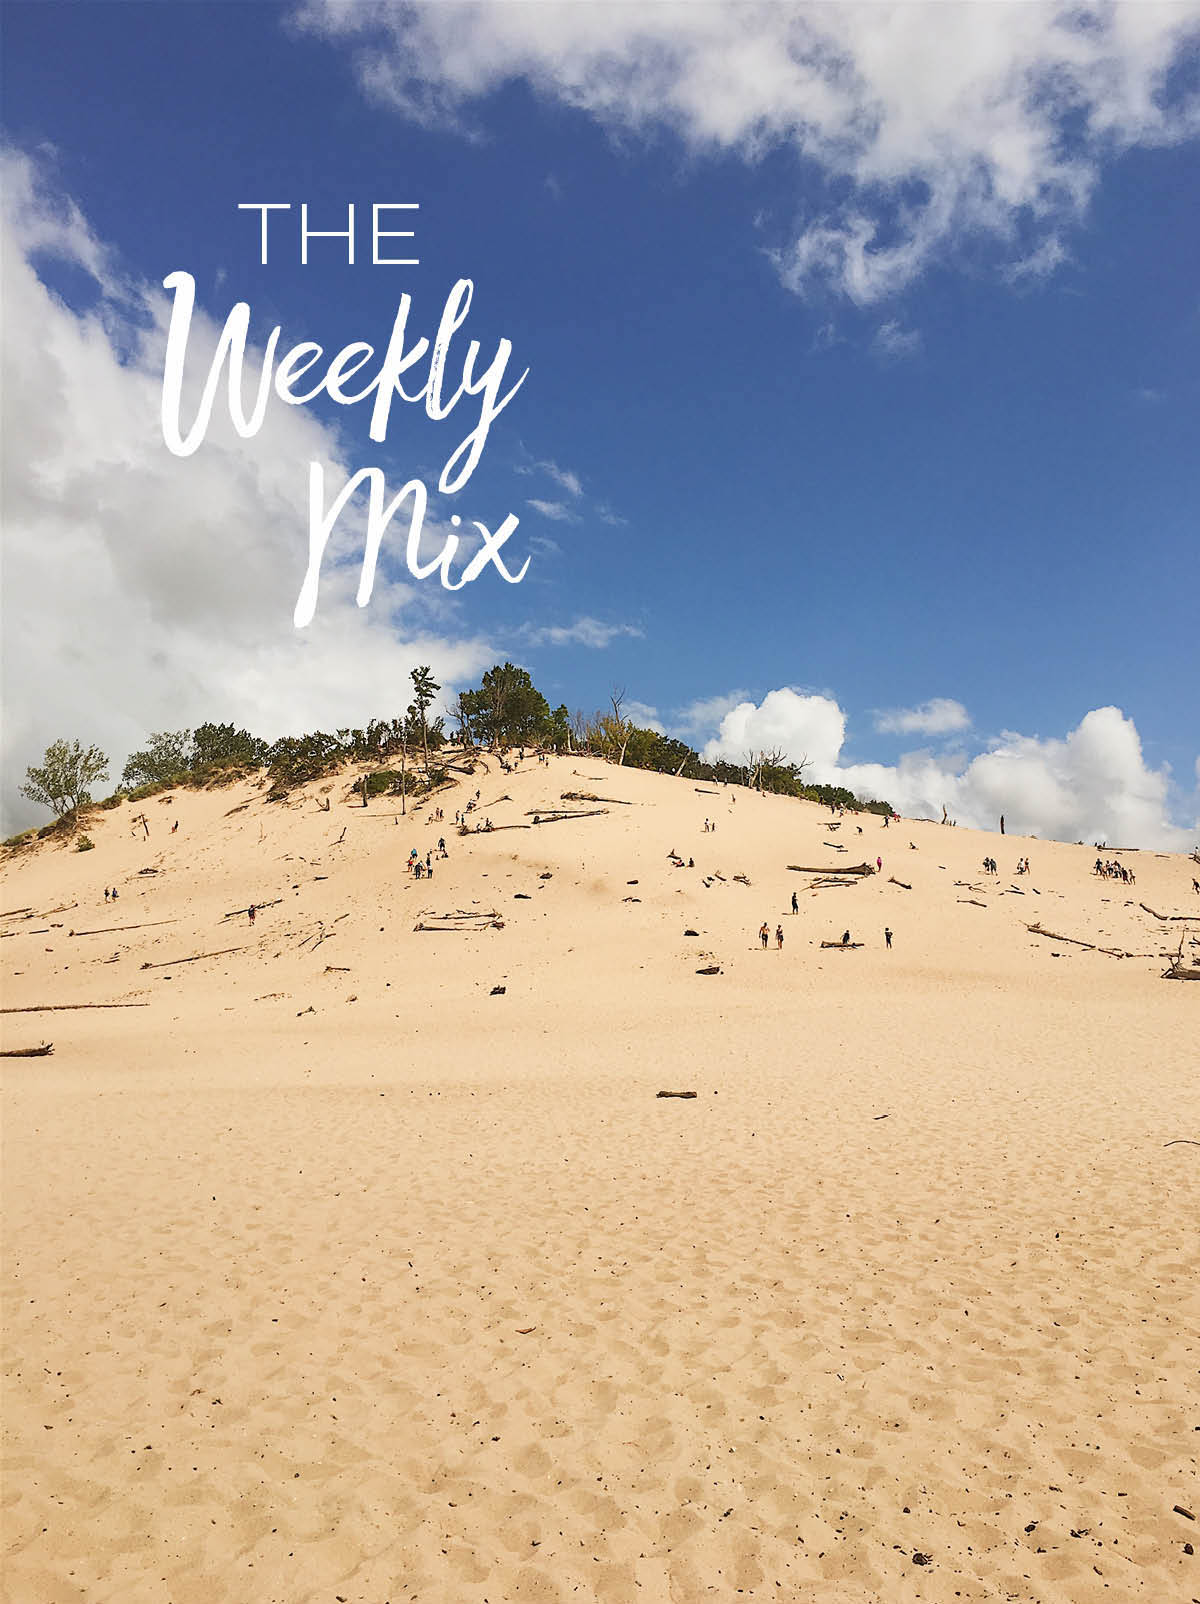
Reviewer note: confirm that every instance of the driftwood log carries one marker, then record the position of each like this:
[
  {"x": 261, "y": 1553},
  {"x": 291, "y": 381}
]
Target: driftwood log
[
  {"x": 1088, "y": 946},
  {"x": 108, "y": 930},
  {"x": 43, "y": 1051},
  {"x": 842, "y": 946},
  {"x": 1167, "y": 918},
  {"x": 675, "y": 1094},
  {"x": 174, "y": 964},
  {"x": 825, "y": 869},
  {"x": 560, "y": 818},
  {"x": 971, "y": 902},
  {"x": 258, "y": 907},
  {"x": 903, "y": 884},
  {"x": 62, "y": 1008},
  {"x": 590, "y": 796}
]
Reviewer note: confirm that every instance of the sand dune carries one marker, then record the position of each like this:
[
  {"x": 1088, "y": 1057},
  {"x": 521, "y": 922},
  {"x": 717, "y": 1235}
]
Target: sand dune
[{"x": 332, "y": 1273}]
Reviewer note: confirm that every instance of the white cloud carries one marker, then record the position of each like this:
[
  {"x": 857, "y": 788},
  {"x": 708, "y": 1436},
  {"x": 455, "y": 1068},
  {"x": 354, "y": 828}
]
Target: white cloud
[
  {"x": 556, "y": 510},
  {"x": 643, "y": 715},
  {"x": 563, "y": 477},
  {"x": 894, "y": 342},
  {"x": 583, "y": 632},
  {"x": 143, "y": 591},
  {"x": 931, "y": 124},
  {"x": 1091, "y": 785},
  {"x": 940, "y": 716}
]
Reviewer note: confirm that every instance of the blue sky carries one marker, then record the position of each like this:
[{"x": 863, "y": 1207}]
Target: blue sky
[{"x": 954, "y": 464}]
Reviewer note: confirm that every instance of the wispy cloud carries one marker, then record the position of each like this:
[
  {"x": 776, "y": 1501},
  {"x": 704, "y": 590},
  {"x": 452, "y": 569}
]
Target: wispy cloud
[
  {"x": 557, "y": 510},
  {"x": 940, "y": 716},
  {"x": 583, "y": 632},
  {"x": 565, "y": 478},
  {"x": 893, "y": 342}
]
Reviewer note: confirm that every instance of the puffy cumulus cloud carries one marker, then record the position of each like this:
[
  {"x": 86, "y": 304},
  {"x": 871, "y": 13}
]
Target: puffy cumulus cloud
[
  {"x": 144, "y": 591},
  {"x": 940, "y": 716},
  {"x": 798, "y": 726},
  {"x": 930, "y": 124},
  {"x": 1091, "y": 785}
]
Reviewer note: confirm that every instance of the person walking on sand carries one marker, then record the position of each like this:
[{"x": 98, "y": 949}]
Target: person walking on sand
[
  {"x": 795, "y": 903},
  {"x": 845, "y": 938},
  {"x": 251, "y": 910},
  {"x": 779, "y": 938},
  {"x": 887, "y": 936},
  {"x": 764, "y": 935},
  {"x": 878, "y": 865},
  {"x": 106, "y": 891}
]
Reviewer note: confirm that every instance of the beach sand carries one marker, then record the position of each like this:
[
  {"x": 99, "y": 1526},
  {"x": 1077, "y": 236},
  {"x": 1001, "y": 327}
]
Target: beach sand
[{"x": 331, "y": 1275}]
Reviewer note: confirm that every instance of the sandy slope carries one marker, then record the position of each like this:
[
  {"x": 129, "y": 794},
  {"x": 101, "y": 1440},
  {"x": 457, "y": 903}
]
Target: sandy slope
[{"x": 329, "y": 1274}]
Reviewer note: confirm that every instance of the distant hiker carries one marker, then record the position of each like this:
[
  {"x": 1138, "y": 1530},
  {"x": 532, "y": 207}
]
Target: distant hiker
[
  {"x": 878, "y": 865},
  {"x": 779, "y": 938},
  {"x": 106, "y": 891},
  {"x": 442, "y": 847},
  {"x": 691, "y": 863},
  {"x": 175, "y": 827},
  {"x": 1002, "y": 824},
  {"x": 795, "y": 903},
  {"x": 250, "y": 910},
  {"x": 886, "y": 821},
  {"x": 764, "y": 935},
  {"x": 845, "y": 938},
  {"x": 114, "y": 893},
  {"x": 887, "y": 936}
]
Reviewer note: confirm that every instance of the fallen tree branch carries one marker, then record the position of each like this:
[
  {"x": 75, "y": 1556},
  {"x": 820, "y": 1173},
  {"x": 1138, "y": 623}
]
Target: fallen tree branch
[
  {"x": 46, "y": 1049},
  {"x": 108, "y": 930},
  {"x": 194, "y": 960},
  {"x": 560, "y": 818},
  {"x": 61, "y": 1008},
  {"x": 257, "y": 906},
  {"x": 842, "y": 946},
  {"x": 1167, "y": 918},
  {"x": 590, "y": 796},
  {"x": 824, "y": 869},
  {"x": 675, "y": 1094},
  {"x": 903, "y": 884}
]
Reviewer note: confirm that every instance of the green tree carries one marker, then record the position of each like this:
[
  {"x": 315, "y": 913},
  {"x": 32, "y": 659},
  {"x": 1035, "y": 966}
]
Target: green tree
[
  {"x": 223, "y": 745},
  {"x": 425, "y": 688},
  {"x": 507, "y": 709},
  {"x": 167, "y": 756},
  {"x": 63, "y": 780},
  {"x": 556, "y": 732}
]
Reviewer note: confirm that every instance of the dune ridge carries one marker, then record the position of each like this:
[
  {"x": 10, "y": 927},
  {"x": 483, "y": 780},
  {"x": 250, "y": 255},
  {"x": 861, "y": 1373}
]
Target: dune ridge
[{"x": 333, "y": 1271}]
